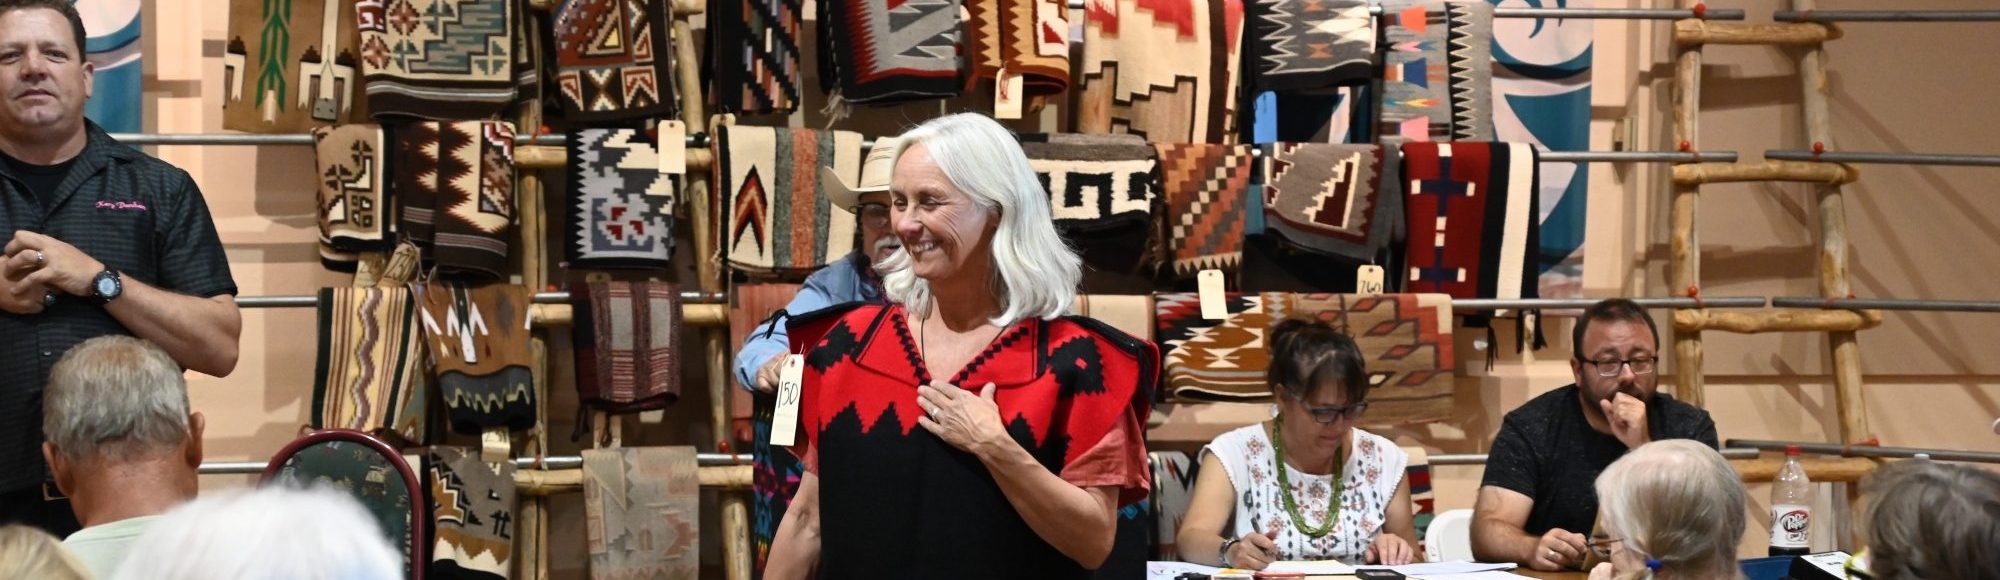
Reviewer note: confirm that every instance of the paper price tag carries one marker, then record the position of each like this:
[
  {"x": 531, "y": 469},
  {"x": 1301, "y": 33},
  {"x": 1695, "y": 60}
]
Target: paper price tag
[
  {"x": 1368, "y": 280},
  {"x": 785, "y": 419},
  {"x": 1007, "y": 95},
  {"x": 1214, "y": 303},
  {"x": 673, "y": 147},
  {"x": 495, "y": 446}
]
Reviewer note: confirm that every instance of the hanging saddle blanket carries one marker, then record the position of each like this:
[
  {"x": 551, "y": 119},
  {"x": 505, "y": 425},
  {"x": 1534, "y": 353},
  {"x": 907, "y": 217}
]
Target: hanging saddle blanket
[
  {"x": 776, "y": 216},
  {"x": 1472, "y": 219},
  {"x": 1022, "y": 37},
  {"x": 1217, "y": 360},
  {"x": 287, "y": 71},
  {"x": 456, "y": 184},
  {"x": 627, "y": 337},
  {"x": 1102, "y": 189},
  {"x": 1300, "y": 45},
  {"x": 614, "y": 59},
  {"x": 753, "y": 56},
  {"x": 622, "y": 206},
  {"x": 472, "y": 513},
  {"x": 642, "y": 512},
  {"x": 1205, "y": 189},
  {"x": 1437, "y": 71},
  {"x": 871, "y": 52},
  {"x": 1330, "y": 198},
  {"x": 1165, "y": 70},
  {"x": 441, "y": 60},
  {"x": 479, "y": 344},
  {"x": 353, "y": 198},
  {"x": 367, "y": 378}
]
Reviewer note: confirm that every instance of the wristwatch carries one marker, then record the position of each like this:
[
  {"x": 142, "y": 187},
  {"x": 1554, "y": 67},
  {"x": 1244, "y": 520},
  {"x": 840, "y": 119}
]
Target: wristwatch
[
  {"x": 107, "y": 286},
  {"x": 1224, "y": 552}
]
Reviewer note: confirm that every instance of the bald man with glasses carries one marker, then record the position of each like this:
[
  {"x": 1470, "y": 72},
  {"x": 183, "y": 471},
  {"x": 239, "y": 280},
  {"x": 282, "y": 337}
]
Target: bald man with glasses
[{"x": 1536, "y": 503}]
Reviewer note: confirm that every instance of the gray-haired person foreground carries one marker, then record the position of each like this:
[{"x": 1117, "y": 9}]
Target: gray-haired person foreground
[
  {"x": 120, "y": 441},
  {"x": 271, "y": 533},
  {"x": 28, "y": 553},
  {"x": 1933, "y": 521},
  {"x": 1670, "y": 509}
]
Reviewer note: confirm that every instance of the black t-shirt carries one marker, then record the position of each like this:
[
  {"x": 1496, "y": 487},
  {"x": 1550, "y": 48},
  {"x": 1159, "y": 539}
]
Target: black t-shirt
[
  {"x": 1547, "y": 451},
  {"x": 42, "y": 180}
]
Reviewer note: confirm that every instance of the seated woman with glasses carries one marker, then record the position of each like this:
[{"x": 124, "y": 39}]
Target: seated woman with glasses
[
  {"x": 1306, "y": 485},
  {"x": 1669, "y": 509}
]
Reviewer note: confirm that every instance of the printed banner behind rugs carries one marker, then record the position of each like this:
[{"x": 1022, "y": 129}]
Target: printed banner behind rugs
[
  {"x": 621, "y": 211},
  {"x": 1164, "y": 70},
  {"x": 870, "y": 52},
  {"x": 614, "y": 59},
  {"x": 1437, "y": 77},
  {"x": 437, "y": 59},
  {"x": 776, "y": 216},
  {"x": 1541, "y": 95},
  {"x": 1471, "y": 218},
  {"x": 291, "y": 65},
  {"x": 112, "y": 47}
]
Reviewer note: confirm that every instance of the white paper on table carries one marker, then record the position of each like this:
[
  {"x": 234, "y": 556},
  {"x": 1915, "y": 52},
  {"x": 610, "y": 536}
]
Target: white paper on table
[
  {"x": 1486, "y": 575},
  {"x": 1319, "y": 568},
  {"x": 1439, "y": 568},
  {"x": 1168, "y": 570}
]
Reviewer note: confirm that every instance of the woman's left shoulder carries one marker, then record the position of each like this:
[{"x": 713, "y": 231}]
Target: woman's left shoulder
[{"x": 1073, "y": 326}]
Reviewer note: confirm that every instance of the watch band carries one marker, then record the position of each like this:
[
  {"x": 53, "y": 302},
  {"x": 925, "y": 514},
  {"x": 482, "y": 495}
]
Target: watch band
[{"x": 1224, "y": 552}]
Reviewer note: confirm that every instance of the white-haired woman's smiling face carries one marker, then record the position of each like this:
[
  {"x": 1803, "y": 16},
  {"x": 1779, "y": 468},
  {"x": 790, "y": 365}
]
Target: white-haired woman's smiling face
[{"x": 944, "y": 230}]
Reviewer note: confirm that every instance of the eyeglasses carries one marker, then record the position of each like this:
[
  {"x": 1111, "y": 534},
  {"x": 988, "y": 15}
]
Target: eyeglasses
[
  {"x": 1609, "y": 367},
  {"x": 1602, "y": 547},
  {"x": 1327, "y": 415},
  {"x": 873, "y": 215}
]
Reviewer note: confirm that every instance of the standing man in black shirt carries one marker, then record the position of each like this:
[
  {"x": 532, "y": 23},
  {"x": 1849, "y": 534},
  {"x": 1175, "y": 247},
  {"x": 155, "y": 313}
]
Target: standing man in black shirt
[
  {"x": 100, "y": 239},
  {"x": 1537, "y": 501}
]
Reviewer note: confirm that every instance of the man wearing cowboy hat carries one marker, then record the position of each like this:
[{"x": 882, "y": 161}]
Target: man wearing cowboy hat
[{"x": 851, "y": 279}]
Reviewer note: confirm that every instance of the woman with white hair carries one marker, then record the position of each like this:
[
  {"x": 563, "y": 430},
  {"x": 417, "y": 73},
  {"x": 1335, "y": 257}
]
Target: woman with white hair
[
  {"x": 1669, "y": 509},
  {"x": 269, "y": 533},
  {"x": 967, "y": 429}
]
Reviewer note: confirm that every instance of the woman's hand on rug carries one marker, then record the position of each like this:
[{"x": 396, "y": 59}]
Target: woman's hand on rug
[
  {"x": 1390, "y": 550},
  {"x": 966, "y": 421}
]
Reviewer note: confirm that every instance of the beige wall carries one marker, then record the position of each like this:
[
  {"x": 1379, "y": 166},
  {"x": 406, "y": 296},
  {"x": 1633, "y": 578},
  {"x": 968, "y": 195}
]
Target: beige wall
[{"x": 1916, "y": 233}]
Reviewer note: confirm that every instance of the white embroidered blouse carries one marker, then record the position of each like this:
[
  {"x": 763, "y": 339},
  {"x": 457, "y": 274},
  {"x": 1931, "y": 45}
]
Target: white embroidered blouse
[{"x": 1374, "y": 468}]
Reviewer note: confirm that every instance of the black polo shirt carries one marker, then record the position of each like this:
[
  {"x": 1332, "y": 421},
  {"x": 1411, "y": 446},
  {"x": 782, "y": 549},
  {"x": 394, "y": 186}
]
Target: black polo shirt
[
  {"x": 134, "y": 213},
  {"x": 1547, "y": 451}
]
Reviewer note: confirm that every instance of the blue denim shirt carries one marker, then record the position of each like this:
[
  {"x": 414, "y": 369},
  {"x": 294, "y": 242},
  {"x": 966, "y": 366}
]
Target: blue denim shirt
[{"x": 848, "y": 280}]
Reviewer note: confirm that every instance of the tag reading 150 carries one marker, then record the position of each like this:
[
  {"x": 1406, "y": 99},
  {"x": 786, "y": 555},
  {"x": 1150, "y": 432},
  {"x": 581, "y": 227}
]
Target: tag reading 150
[{"x": 785, "y": 419}]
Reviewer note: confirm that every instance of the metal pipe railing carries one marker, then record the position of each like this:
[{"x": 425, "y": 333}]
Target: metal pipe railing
[
  {"x": 1887, "y": 158},
  {"x": 1887, "y": 304},
  {"x": 1480, "y": 458},
  {"x": 1637, "y": 156},
  {"x": 1561, "y": 303},
  {"x": 561, "y": 462},
  {"x": 1887, "y": 16},
  {"x": 1819, "y": 448},
  {"x": 312, "y": 300}
]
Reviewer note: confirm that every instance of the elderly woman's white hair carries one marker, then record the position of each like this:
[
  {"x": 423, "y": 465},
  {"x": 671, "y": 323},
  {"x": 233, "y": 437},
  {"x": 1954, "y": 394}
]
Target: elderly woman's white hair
[
  {"x": 269, "y": 533},
  {"x": 1036, "y": 273},
  {"x": 1678, "y": 502}
]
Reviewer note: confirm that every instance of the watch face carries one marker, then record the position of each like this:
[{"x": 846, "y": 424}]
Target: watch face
[{"x": 107, "y": 286}]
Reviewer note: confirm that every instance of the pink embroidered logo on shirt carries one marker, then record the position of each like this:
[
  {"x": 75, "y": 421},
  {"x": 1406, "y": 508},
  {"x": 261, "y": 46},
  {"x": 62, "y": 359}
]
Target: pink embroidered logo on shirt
[{"x": 121, "y": 205}]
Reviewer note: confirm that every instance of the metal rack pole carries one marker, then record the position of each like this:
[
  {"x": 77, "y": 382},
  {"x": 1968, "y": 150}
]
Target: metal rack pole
[
  {"x": 1889, "y": 158},
  {"x": 1866, "y": 450},
  {"x": 561, "y": 462},
  {"x": 1887, "y": 16},
  {"x": 1888, "y": 304},
  {"x": 311, "y": 300},
  {"x": 1636, "y": 156},
  {"x": 1480, "y": 458}
]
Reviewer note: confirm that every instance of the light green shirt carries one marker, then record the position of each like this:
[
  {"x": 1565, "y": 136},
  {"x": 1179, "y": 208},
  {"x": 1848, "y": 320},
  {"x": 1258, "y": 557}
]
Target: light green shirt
[{"x": 102, "y": 548}]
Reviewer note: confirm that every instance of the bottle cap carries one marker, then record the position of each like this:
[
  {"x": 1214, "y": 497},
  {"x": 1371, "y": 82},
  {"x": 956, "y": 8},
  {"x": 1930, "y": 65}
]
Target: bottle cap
[{"x": 1791, "y": 451}]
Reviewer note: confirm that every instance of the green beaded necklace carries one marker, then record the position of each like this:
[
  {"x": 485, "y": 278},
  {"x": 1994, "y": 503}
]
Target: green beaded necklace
[{"x": 1285, "y": 485}]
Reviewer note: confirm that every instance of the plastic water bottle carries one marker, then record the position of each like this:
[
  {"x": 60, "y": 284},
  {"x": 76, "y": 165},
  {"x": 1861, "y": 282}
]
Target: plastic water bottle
[{"x": 1791, "y": 508}]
